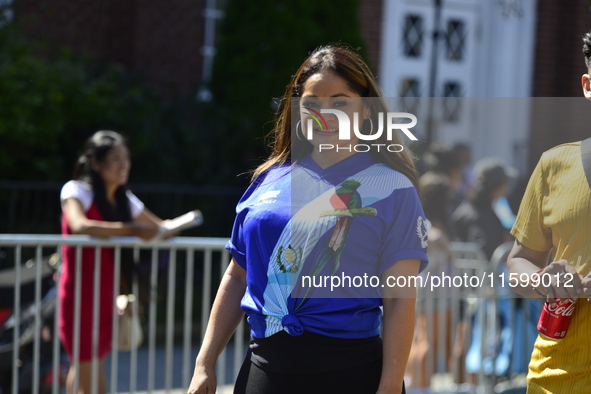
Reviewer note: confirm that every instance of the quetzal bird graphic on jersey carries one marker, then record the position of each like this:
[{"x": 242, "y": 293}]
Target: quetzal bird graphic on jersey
[
  {"x": 345, "y": 199},
  {"x": 347, "y": 204}
]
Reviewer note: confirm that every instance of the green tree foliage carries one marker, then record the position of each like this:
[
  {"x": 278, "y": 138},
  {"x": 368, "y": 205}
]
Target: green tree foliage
[
  {"x": 51, "y": 101},
  {"x": 260, "y": 47}
]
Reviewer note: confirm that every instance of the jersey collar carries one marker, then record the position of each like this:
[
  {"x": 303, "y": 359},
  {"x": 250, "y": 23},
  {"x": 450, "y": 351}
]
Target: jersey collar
[{"x": 342, "y": 170}]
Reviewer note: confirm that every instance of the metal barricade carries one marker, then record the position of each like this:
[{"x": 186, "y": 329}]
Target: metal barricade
[
  {"x": 444, "y": 322},
  {"x": 448, "y": 319},
  {"x": 510, "y": 329},
  {"x": 486, "y": 338},
  {"x": 205, "y": 257}
]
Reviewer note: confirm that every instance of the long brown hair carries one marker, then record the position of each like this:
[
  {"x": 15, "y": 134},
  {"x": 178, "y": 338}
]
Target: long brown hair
[{"x": 349, "y": 66}]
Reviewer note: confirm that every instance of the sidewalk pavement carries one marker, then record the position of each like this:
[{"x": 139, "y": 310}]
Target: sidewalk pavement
[{"x": 226, "y": 389}]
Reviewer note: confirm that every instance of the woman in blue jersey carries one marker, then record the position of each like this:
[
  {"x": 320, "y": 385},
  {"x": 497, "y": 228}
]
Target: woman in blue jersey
[{"x": 311, "y": 215}]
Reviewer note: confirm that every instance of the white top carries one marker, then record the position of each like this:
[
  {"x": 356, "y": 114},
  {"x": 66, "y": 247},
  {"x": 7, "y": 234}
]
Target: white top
[{"x": 82, "y": 191}]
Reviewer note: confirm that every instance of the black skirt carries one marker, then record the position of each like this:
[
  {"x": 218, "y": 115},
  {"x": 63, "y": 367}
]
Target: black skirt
[{"x": 311, "y": 363}]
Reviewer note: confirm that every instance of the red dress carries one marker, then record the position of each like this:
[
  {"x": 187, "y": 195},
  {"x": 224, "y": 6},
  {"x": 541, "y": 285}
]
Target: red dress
[{"x": 67, "y": 296}]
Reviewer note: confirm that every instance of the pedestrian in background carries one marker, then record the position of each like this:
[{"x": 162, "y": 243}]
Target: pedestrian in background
[
  {"x": 96, "y": 202},
  {"x": 323, "y": 213},
  {"x": 445, "y": 158},
  {"x": 428, "y": 350},
  {"x": 554, "y": 224},
  {"x": 475, "y": 220}
]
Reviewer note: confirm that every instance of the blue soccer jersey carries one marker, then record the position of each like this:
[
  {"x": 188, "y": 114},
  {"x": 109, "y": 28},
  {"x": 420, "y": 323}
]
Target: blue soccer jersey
[{"x": 300, "y": 228}]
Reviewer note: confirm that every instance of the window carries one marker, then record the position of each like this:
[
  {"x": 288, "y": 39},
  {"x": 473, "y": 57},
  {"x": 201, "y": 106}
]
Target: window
[
  {"x": 413, "y": 36},
  {"x": 455, "y": 39},
  {"x": 409, "y": 87},
  {"x": 410, "y": 92},
  {"x": 452, "y": 91}
]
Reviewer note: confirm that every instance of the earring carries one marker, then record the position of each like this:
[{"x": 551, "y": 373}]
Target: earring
[
  {"x": 296, "y": 131},
  {"x": 371, "y": 121}
]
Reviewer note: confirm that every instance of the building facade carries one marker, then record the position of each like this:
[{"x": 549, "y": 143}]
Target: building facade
[{"x": 491, "y": 56}]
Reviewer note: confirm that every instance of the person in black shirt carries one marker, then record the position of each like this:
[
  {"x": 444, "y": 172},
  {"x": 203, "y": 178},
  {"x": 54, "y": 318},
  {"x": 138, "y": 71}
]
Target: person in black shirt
[{"x": 475, "y": 219}]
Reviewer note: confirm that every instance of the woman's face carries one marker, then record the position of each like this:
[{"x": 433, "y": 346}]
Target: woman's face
[
  {"x": 114, "y": 168},
  {"x": 326, "y": 90}
]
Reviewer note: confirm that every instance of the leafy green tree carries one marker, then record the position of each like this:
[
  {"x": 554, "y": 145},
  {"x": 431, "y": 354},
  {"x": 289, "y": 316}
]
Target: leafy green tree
[
  {"x": 51, "y": 101},
  {"x": 260, "y": 47}
]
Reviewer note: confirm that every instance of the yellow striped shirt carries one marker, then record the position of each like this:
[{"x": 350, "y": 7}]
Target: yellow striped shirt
[{"x": 555, "y": 213}]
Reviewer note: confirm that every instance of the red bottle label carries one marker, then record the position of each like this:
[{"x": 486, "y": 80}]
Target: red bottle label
[{"x": 556, "y": 317}]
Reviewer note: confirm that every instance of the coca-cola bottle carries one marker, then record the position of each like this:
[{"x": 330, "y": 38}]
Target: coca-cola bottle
[{"x": 556, "y": 317}]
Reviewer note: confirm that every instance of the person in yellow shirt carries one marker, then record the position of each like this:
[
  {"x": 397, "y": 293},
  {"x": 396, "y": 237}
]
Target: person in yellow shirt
[{"x": 555, "y": 217}]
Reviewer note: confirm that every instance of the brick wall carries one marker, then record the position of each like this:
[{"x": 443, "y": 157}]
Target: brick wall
[
  {"x": 559, "y": 64},
  {"x": 558, "y": 57},
  {"x": 370, "y": 15},
  {"x": 159, "y": 39}
]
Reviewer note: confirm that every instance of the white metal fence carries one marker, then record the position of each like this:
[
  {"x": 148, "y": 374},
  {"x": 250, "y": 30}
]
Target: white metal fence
[
  {"x": 473, "y": 339},
  {"x": 202, "y": 257},
  {"x": 492, "y": 327}
]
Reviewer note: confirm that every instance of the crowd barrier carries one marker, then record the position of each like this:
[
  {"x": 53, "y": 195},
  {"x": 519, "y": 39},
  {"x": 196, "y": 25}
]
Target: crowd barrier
[
  {"x": 192, "y": 257},
  {"x": 473, "y": 339}
]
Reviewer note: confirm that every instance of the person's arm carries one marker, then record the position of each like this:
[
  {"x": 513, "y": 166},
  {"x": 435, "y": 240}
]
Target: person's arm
[
  {"x": 399, "y": 323},
  {"x": 523, "y": 260},
  {"x": 149, "y": 218},
  {"x": 80, "y": 224},
  {"x": 225, "y": 316}
]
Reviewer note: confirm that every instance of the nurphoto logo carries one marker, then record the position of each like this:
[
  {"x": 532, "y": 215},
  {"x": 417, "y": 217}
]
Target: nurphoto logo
[{"x": 344, "y": 130}]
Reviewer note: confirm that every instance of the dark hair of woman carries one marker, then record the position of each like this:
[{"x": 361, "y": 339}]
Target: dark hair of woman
[
  {"x": 442, "y": 157},
  {"x": 96, "y": 148},
  {"x": 435, "y": 196},
  {"x": 480, "y": 194},
  {"x": 349, "y": 66},
  {"x": 587, "y": 49}
]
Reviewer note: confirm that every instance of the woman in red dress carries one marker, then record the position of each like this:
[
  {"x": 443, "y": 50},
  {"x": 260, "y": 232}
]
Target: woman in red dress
[{"x": 97, "y": 203}]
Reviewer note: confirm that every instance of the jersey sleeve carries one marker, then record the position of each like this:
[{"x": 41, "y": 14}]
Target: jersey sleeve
[
  {"x": 406, "y": 237},
  {"x": 529, "y": 228},
  {"x": 135, "y": 205},
  {"x": 236, "y": 244},
  {"x": 80, "y": 191},
  {"x": 240, "y": 238}
]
